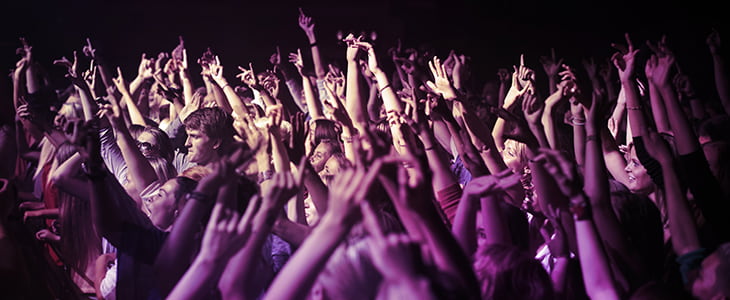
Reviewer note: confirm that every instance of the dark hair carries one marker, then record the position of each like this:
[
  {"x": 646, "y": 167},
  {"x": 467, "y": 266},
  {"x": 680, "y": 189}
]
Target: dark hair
[
  {"x": 213, "y": 122},
  {"x": 506, "y": 272},
  {"x": 164, "y": 146},
  {"x": 135, "y": 130},
  {"x": 326, "y": 130}
]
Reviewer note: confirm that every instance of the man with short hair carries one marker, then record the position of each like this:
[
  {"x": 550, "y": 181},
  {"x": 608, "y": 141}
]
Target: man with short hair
[{"x": 209, "y": 133}]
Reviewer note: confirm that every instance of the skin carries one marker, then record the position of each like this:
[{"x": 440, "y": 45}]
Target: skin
[
  {"x": 639, "y": 180},
  {"x": 146, "y": 137},
  {"x": 331, "y": 168},
  {"x": 201, "y": 149},
  {"x": 320, "y": 155},
  {"x": 703, "y": 287},
  {"x": 163, "y": 205}
]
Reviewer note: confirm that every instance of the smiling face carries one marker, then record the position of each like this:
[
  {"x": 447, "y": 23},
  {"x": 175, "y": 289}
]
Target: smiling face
[
  {"x": 639, "y": 180},
  {"x": 320, "y": 155}
]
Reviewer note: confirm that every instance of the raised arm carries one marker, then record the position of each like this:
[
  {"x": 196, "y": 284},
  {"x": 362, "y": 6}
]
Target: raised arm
[{"x": 307, "y": 25}]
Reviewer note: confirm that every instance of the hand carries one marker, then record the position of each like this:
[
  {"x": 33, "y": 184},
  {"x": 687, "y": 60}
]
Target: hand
[
  {"x": 500, "y": 182},
  {"x": 274, "y": 114},
  {"x": 504, "y": 75},
  {"x": 460, "y": 72},
  {"x": 352, "y": 50},
  {"x": 624, "y": 59},
  {"x": 532, "y": 108},
  {"x": 306, "y": 23},
  {"x": 713, "y": 42},
  {"x": 282, "y": 187},
  {"x": 441, "y": 84},
  {"x": 372, "y": 58},
  {"x": 562, "y": 170},
  {"x": 26, "y": 54},
  {"x": 47, "y": 236},
  {"x": 216, "y": 72},
  {"x": 146, "y": 67},
  {"x": 227, "y": 231},
  {"x": 296, "y": 59},
  {"x": 275, "y": 59},
  {"x": 551, "y": 64},
  {"x": 120, "y": 83},
  {"x": 248, "y": 77},
  {"x": 591, "y": 67},
  {"x": 597, "y": 116},
  {"x": 396, "y": 255},
  {"x": 71, "y": 68},
  {"x": 30, "y": 214},
  {"x": 523, "y": 74},
  {"x": 684, "y": 86},
  {"x": 347, "y": 191},
  {"x": 660, "y": 49},
  {"x": 658, "y": 148},
  {"x": 662, "y": 66},
  {"x": 88, "y": 49},
  {"x": 298, "y": 136}
]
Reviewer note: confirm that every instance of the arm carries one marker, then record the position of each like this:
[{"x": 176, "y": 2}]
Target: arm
[
  {"x": 722, "y": 77},
  {"x": 307, "y": 26},
  {"x": 657, "y": 106},
  {"x": 134, "y": 114}
]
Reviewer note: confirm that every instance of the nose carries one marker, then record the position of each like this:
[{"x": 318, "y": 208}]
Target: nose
[
  {"x": 628, "y": 168},
  {"x": 187, "y": 142}
]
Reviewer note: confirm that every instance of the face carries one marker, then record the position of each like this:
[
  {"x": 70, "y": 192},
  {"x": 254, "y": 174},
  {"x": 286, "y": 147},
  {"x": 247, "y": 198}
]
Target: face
[
  {"x": 201, "y": 149},
  {"x": 331, "y": 168},
  {"x": 147, "y": 143},
  {"x": 163, "y": 207},
  {"x": 704, "y": 285},
  {"x": 320, "y": 155},
  {"x": 639, "y": 180},
  {"x": 511, "y": 157}
]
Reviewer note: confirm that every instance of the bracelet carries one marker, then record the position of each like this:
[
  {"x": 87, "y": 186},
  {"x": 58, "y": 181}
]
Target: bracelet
[
  {"x": 383, "y": 89},
  {"x": 633, "y": 107},
  {"x": 591, "y": 137},
  {"x": 200, "y": 197},
  {"x": 265, "y": 175},
  {"x": 578, "y": 122},
  {"x": 313, "y": 44},
  {"x": 429, "y": 148},
  {"x": 224, "y": 86},
  {"x": 348, "y": 139}
]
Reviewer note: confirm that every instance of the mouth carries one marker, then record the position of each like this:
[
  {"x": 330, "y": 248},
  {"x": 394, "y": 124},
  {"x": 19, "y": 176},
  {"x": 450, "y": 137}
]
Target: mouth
[{"x": 632, "y": 178}]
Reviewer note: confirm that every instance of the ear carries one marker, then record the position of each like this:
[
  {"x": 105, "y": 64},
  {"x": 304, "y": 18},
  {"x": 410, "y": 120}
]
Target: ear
[{"x": 217, "y": 144}]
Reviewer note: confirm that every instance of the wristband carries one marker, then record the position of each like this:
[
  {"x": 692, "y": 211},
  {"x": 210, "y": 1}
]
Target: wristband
[
  {"x": 592, "y": 137},
  {"x": 633, "y": 107},
  {"x": 265, "y": 175},
  {"x": 313, "y": 44},
  {"x": 383, "y": 89}
]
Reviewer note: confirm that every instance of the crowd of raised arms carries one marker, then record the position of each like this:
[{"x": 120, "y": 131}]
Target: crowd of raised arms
[{"x": 316, "y": 179}]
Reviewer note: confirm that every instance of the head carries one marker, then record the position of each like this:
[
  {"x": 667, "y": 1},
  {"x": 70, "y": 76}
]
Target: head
[
  {"x": 323, "y": 129},
  {"x": 70, "y": 110},
  {"x": 505, "y": 272},
  {"x": 639, "y": 179},
  {"x": 336, "y": 163},
  {"x": 322, "y": 153},
  {"x": 166, "y": 202},
  {"x": 152, "y": 141},
  {"x": 210, "y": 132},
  {"x": 515, "y": 155},
  {"x": 714, "y": 275},
  {"x": 270, "y": 82},
  {"x": 349, "y": 274}
]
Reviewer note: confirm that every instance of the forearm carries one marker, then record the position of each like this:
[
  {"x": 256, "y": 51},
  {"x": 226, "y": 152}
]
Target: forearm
[
  {"x": 187, "y": 86},
  {"x": 722, "y": 80},
  {"x": 496, "y": 229},
  {"x": 134, "y": 114},
  {"x": 138, "y": 167},
  {"x": 390, "y": 100},
  {"x": 199, "y": 279},
  {"x": 353, "y": 97},
  {"x": 615, "y": 160},
  {"x": 298, "y": 275},
  {"x": 88, "y": 107},
  {"x": 658, "y": 110},
  {"x": 314, "y": 106},
  {"x": 549, "y": 124},
  {"x": 684, "y": 136},
  {"x": 681, "y": 223},
  {"x": 31, "y": 79},
  {"x": 633, "y": 104},
  {"x": 579, "y": 144},
  {"x": 221, "y": 97},
  {"x": 465, "y": 224},
  {"x": 594, "y": 264}
]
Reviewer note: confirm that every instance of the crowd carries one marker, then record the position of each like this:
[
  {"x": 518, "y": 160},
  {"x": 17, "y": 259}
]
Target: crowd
[{"x": 384, "y": 175}]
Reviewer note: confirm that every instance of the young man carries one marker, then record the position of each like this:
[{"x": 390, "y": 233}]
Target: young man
[{"x": 209, "y": 132}]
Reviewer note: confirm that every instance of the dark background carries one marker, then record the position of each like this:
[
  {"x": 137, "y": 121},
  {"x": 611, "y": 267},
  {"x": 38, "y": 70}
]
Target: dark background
[{"x": 493, "y": 33}]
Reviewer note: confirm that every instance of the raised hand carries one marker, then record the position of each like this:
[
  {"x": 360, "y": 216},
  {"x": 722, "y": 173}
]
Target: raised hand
[
  {"x": 248, "y": 77},
  {"x": 372, "y": 58},
  {"x": 523, "y": 74},
  {"x": 562, "y": 170},
  {"x": 624, "y": 59},
  {"x": 227, "y": 230},
  {"x": 440, "y": 84},
  {"x": 713, "y": 42},
  {"x": 306, "y": 23},
  {"x": 146, "y": 67},
  {"x": 88, "y": 49},
  {"x": 396, "y": 256},
  {"x": 26, "y": 54},
  {"x": 352, "y": 50},
  {"x": 551, "y": 64},
  {"x": 119, "y": 82},
  {"x": 532, "y": 108},
  {"x": 216, "y": 72},
  {"x": 296, "y": 60},
  {"x": 658, "y": 148},
  {"x": 282, "y": 187}
]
